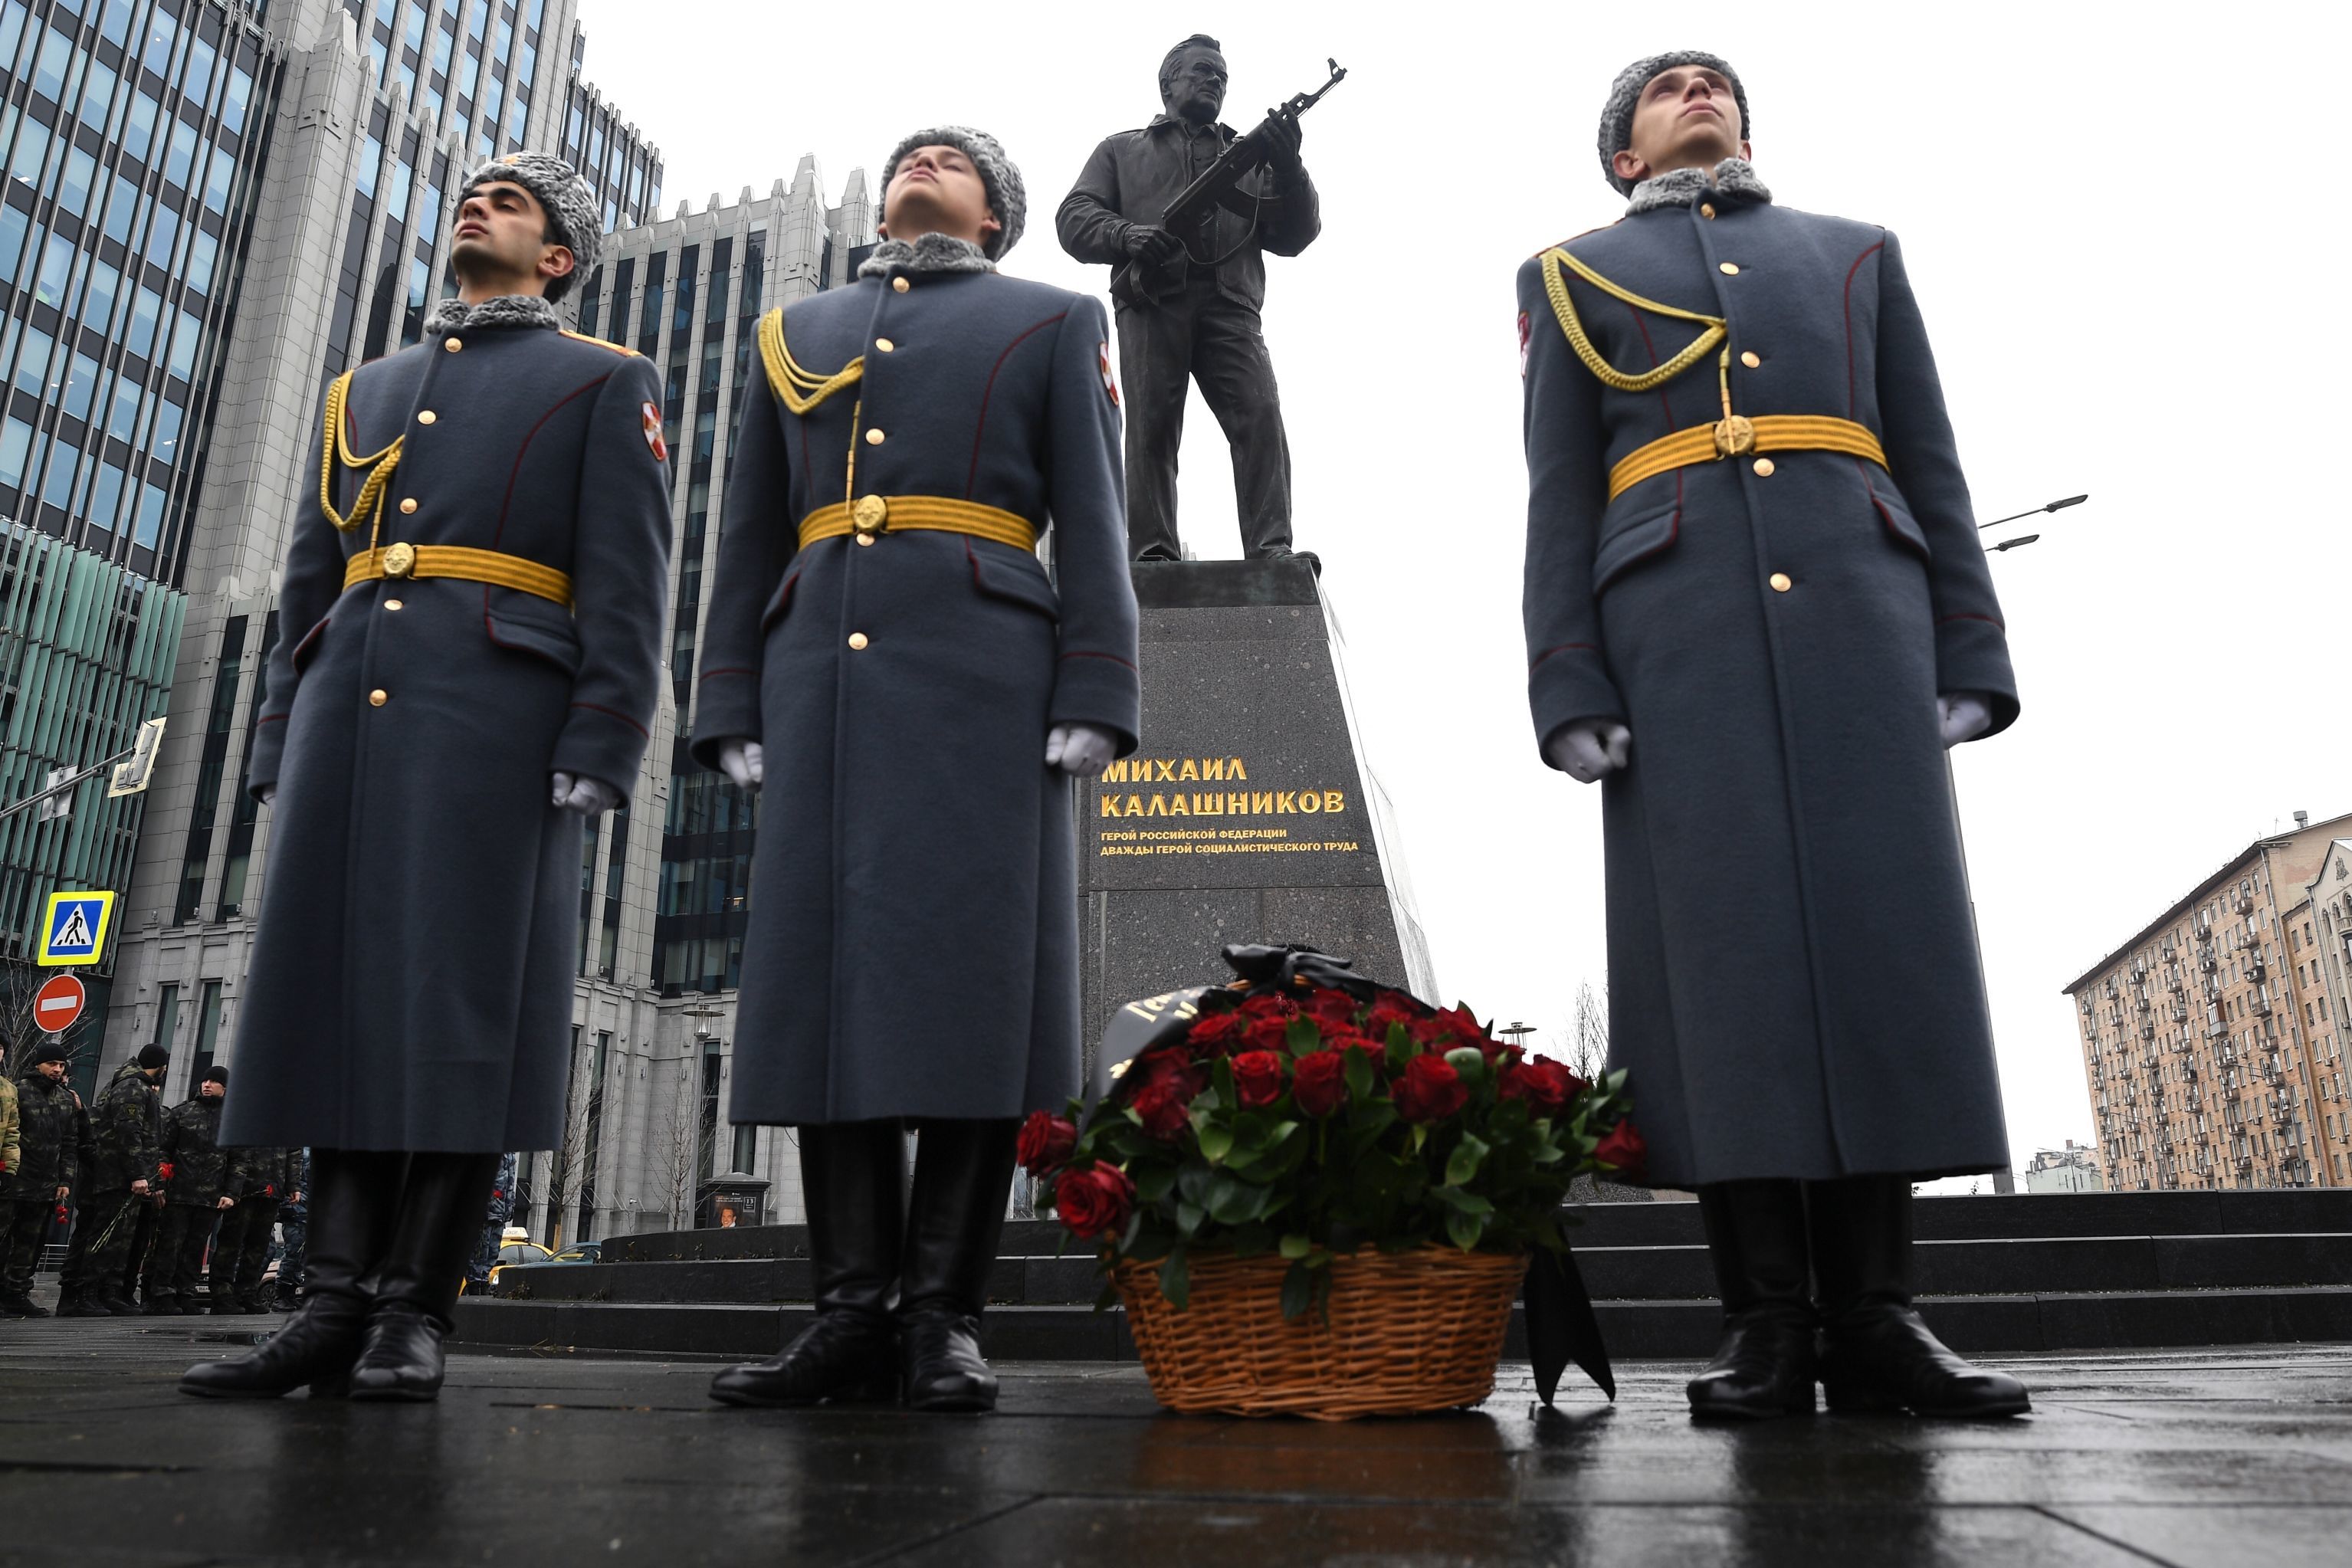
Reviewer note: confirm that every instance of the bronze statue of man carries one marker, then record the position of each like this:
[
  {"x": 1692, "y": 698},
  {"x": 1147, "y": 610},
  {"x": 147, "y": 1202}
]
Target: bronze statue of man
[{"x": 1198, "y": 318}]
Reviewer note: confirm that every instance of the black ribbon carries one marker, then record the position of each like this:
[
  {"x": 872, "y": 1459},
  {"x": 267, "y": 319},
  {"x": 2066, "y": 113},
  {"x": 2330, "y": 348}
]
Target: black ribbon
[{"x": 1561, "y": 1328}]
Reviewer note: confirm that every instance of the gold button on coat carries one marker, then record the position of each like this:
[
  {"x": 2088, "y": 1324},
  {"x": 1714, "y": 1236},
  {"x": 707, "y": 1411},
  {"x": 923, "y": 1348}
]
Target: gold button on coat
[
  {"x": 1781, "y": 582},
  {"x": 1706, "y": 209},
  {"x": 1763, "y": 467},
  {"x": 392, "y": 605},
  {"x": 450, "y": 345},
  {"x": 408, "y": 504},
  {"x": 886, "y": 345},
  {"x": 864, "y": 539},
  {"x": 1731, "y": 269},
  {"x": 900, "y": 284},
  {"x": 379, "y": 697},
  {"x": 1750, "y": 359},
  {"x": 426, "y": 416},
  {"x": 858, "y": 641},
  {"x": 873, "y": 437}
]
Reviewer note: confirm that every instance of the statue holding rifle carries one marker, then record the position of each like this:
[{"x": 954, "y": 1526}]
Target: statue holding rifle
[{"x": 1185, "y": 209}]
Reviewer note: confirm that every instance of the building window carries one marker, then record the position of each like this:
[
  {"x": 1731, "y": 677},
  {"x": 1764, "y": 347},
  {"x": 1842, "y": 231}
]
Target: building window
[
  {"x": 167, "y": 1016},
  {"x": 208, "y": 1035}
]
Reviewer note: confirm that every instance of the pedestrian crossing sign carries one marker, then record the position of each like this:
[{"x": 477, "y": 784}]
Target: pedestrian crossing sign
[{"x": 73, "y": 931}]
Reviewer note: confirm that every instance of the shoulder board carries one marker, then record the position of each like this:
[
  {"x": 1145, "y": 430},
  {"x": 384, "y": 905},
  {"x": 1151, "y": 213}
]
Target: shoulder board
[
  {"x": 583, "y": 338},
  {"x": 1572, "y": 239}
]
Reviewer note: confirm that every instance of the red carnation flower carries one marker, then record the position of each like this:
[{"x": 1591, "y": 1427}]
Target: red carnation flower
[
  {"x": 164, "y": 1171},
  {"x": 1320, "y": 1085},
  {"x": 1214, "y": 1032},
  {"x": 1164, "y": 1107},
  {"x": 1257, "y": 1075},
  {"x": 1096, "y": 1202},
  {"x": 1430, "y": 1090},
  {"x": 1047, "y": 1143},
  {"x": 1625, "y": 1150},
  {"x": 1543, "y": 1083}
]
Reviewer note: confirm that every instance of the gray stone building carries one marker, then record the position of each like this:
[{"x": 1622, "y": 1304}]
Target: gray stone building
[{"x": 362, "y": 114}]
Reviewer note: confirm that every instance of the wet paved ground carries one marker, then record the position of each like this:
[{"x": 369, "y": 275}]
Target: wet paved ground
[{"x": 2191, "y": 1458}]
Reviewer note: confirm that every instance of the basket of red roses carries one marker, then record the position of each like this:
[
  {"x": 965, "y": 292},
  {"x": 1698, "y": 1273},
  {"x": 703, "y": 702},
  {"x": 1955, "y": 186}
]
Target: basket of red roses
[{"x": 1319, "y": 1197}]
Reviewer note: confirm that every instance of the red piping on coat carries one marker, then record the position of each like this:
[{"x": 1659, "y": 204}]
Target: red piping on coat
[
  {"x": 1665, "y": 403},
  {"x": 507, "y": 500},
  {"x": 1848, "y": 321},
  {"x": 1970, "y": 615},
  {"x": 1089, "y": 652},
  {"x": 1564, "y": 647},
  {"x": 615, "y": 713},
  {"x": 977, "y": 430},
  {"x": 707, "y": 674}
]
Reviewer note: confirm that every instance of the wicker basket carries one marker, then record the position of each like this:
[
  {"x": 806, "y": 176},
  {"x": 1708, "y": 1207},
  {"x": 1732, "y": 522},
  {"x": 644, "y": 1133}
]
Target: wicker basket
[{"x": 1408, "y": 1333}]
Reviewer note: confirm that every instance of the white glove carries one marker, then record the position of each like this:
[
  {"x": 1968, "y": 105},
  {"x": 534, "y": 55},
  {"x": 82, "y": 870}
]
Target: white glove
[
  {"x": 1080, "y": 750},
  {"x": 1590, "y": 749},
  {"x": 1964, "y": 716},
  {"x": 745, "y": 761},
  {"x": 589, "y": 797}
]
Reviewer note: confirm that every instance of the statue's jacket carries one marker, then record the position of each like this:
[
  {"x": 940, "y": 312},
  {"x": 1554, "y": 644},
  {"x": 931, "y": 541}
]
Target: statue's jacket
[
  {"x": 412, "y": 976},
  {"x": 913, "y": 946},
  {"x": 1793, "y": 976}
]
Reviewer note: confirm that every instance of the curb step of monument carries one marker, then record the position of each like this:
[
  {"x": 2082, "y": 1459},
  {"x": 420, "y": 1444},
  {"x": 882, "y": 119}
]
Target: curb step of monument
[{"x": 1634, "y": 1330}]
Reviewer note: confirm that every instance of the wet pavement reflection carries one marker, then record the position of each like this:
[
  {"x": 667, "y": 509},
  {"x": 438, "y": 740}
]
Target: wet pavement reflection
[{"x": 2227, "y": 1457}]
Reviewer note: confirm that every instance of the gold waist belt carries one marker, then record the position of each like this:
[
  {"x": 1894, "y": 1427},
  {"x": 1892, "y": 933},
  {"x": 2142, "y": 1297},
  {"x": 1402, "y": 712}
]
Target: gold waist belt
[
  {"x": 873, "y": 515},
  {"x": 1736, "y": 437},
  {"x": 412, "y": 561}
]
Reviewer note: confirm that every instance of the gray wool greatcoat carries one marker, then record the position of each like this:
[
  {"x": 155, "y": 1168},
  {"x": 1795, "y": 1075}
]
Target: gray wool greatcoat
[
  {"x": 912, "y": 948},
  {"x": 1793, "y": 978},
  {"x": 410, "y": 981}
]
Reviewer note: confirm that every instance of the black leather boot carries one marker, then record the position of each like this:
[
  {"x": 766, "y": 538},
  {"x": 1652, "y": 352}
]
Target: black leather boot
[
  {"x": 354, "y": 1197},
  {"x": 853, "y": 1178},
  {"x": 413, "y": 1290},
  {"x": 963, "y": 1174},
  {"x": 1764, "y": 1367},
  {"x": 1876, "y": 1355}
]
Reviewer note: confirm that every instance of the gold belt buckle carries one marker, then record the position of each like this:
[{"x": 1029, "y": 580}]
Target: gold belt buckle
[
  {"x": 868, "y": 515},
  {"x": 1735, "y": 435},
  {"x": 399, "y": 560}
]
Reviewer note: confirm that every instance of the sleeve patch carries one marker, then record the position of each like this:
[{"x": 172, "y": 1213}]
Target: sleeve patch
[
  {"x": 651, "y": 418},
  {"x": 1102, "y": 355}
]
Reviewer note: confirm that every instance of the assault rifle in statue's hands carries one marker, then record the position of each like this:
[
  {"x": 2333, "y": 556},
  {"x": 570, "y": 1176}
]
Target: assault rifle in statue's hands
[{"x": 1142, "y": 281}]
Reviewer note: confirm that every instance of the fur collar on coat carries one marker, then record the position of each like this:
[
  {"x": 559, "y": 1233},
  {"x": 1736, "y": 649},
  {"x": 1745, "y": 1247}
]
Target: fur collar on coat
[
  {"x": 927, "y": 253},
  {"x": 454, "y": 315},
  {"x": 1681, "y": 187}
]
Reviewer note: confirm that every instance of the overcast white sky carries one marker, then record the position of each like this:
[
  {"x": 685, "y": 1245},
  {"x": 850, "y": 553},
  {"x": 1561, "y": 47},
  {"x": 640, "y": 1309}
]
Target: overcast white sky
[{"x": 2106, "y": 272}]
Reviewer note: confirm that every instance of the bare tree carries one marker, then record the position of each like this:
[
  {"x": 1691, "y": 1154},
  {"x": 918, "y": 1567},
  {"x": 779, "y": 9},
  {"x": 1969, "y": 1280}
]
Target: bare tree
[
  {"x": 676, "y": 1146},
  {"x": 574, "y": 1171},
  {"x": 1588, "y": 1034},
  {"x": 20, "y": 982}
]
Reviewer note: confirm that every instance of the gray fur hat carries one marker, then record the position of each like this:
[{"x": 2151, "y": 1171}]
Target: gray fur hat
[
  {"x": 575, "y": 219},
  {"x": 1625, "y": 92},
  {"x": 999, "y": 174}
]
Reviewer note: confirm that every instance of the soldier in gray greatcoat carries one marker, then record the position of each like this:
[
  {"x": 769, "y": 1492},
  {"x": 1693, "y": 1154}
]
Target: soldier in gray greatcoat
[
  {"x": 913, "y": 688},
  {"x": 1756, "y": 607},
  {"x": 469, "y": 664}
]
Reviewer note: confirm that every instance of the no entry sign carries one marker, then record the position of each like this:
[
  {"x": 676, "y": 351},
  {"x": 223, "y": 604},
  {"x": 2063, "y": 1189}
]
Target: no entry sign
[{"x": 58, "y": 1003}]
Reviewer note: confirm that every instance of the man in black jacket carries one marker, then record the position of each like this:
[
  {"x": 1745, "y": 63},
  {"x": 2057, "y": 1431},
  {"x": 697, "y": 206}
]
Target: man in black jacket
[
  {"x": 37, "y": 1186},
  {"x": 120, "y": 1183},
  {"x": 195, "y": 1195},
  {"x": 1206, "y": 328}
]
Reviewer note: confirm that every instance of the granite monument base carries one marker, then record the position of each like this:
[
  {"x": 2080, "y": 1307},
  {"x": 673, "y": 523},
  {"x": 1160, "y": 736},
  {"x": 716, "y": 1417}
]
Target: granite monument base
[{"x": 1249, "y": 814}]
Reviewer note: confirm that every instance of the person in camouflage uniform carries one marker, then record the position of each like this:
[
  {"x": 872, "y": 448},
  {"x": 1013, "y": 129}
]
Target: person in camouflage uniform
[
  {"x": 501, "y": 1212},
  {"x": 294, "y": 1226},
  {"x": 74, "y": 1300},
  {"x": 41, "y": 1178},
  {"x": 259, "y": 1180},
  {"x": 122, "y": 1178},
  {"x": 196, "y": 1192}
]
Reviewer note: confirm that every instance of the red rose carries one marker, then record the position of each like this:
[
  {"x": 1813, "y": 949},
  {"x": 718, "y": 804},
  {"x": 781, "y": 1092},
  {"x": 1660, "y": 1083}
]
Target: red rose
[
  {"x": 1165, "y": 1106},
  {"x": 1320, "y": 1086},
  {"x": 1430, "y": 1090},
  {"x": 1268, "y": 1035},
  {"x": 1332, "y": 1006},
  {"x": 1216, "y": 1032},
  {"x": 1258, "y": 1076},
  {"x": 163, "y": 1171},
  {"x": 1094, "y": 1203},
  {"x": 1543, "y": 1083},
  {"x": 1625, "y": 1150},
  {"x": 1046, "y": 1142},
  {"x": 1281, "y": 1007},
  {"x": 1168, "y": 1064},
  {"x": 1454, "y": 1024},
  {"x": 1389, "y": 1007}
]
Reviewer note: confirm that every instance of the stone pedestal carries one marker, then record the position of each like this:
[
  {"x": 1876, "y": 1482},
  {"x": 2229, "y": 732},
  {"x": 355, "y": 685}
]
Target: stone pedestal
[{"x": 1249, "y": 814}]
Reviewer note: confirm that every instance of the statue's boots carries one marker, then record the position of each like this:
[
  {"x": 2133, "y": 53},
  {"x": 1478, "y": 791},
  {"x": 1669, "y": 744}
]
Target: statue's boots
[
  {"x": 963, "y": 1173},
  {"x": 354, "y": 1198},
  {"x": 413, "y": 1290},
  {"x": 1764, "y": 1365},
  {"x": 1876, "y": 1355},
  {"x": 853, "y": 1180}
]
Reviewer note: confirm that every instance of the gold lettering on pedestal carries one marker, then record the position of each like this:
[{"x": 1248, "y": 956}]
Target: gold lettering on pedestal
[{"x": 1118, "y": 805}]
